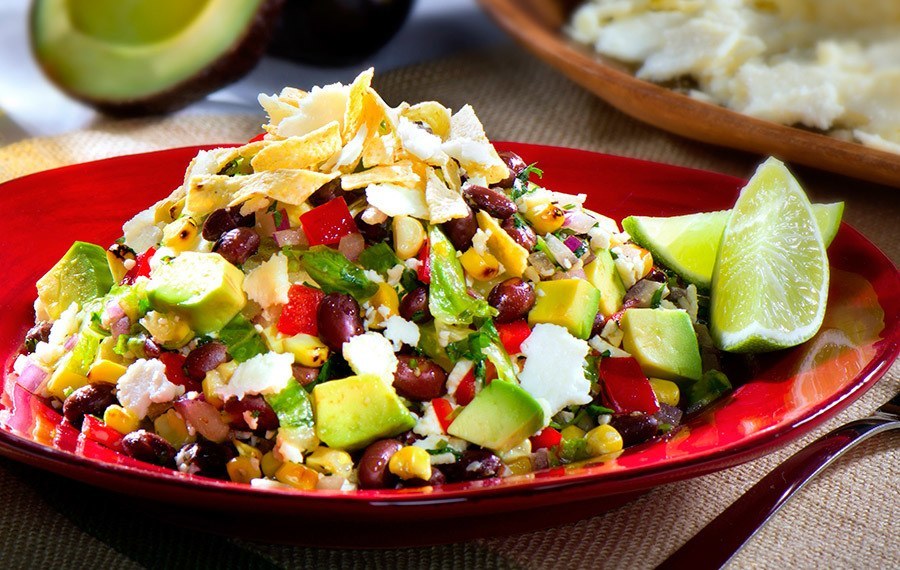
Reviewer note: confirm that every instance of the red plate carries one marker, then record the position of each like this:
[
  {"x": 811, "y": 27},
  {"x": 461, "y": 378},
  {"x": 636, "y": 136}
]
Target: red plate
[{"x": 783, "y": 395}]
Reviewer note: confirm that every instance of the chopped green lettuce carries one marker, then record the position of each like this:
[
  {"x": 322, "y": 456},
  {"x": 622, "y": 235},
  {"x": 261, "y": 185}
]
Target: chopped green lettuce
[
  {"x": 448, "y": 299},
  {"x": 335, "y": 273},
  {"x": 242, "y": 340}
]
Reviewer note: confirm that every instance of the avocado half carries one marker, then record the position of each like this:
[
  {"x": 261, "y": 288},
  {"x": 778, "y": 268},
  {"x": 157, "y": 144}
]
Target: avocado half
[{"x": 140, "y": 57}]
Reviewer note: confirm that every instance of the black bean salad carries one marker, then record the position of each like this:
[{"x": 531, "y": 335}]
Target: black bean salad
[{"x": 367, "y": 297}]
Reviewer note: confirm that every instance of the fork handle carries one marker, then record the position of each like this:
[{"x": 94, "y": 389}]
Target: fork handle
[{"x": 720, "y": 540}]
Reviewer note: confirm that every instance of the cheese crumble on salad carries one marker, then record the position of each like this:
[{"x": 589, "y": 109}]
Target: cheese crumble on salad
[{"x": 367, "y": 297}]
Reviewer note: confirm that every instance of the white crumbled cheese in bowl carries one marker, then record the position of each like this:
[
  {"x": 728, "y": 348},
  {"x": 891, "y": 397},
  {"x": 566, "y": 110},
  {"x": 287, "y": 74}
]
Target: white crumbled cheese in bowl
[
  {"x": 145, "y": 383},
  {"x": 825, "y": 64}
]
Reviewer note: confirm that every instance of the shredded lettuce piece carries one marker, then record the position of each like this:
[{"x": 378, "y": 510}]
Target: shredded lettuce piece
[
  {"x": 448, "y": 299},
  {"x": 292, "y": 406},
  {"x": 335, "y": 273},
  {"x": 379, "y": 258},
  {"x": 242, "y": 340}
]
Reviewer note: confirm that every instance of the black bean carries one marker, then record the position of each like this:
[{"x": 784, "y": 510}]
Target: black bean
[
  {"x": 327, "y": 193},
  {"x": 521, "y": 232},
  {"x": 91, "y": 399},
  {"x": 149, "y": 447},
  {"x": 338, "y": 320},
  {"x": 494, "y": 202},
  {"x": 373, "y": 233},
  {"x": 373, "y": 465},
  {"x": 512, "y": 298},
  {"x": 599, "y": 323},
  {"x": 237, "y": 245},
  {"x": 474, "y": 464},
  {"x": 204, "y": 358},
  {"x": 414, "y": 306},
  {"x": 460, "y": 231},
  {"x": 257, "y": 408},
  {"x": 38, "y": 333},
  {"x": 418, "y": 378},
  {"x": 151, "y": 349},
  {"x": 305, "y": 375},
  {"x": 634, "y": 428},
  {"x": 225, "y": 220},
  {"x": 206, "y": 458},
  {"x": 437, "y": 479}
]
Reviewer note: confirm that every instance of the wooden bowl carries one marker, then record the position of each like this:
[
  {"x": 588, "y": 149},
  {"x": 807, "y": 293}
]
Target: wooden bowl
[{"x": 538, "y": 26}]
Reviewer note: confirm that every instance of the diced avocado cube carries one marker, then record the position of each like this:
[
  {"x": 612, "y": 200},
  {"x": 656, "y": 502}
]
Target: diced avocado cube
[
  {"x": 602, "y": 273},
  {"x": 201, "y": 288},
  {"x": 81, "y": 275},
  {"x": 663, "y": 342},
  {"x": 569, "y": 303},
  {"x": 500, "y": 417},
  {"x": 353, "y": 412}
]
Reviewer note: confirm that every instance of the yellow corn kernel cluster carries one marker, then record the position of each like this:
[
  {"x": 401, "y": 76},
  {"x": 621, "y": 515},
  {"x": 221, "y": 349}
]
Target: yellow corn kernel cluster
[
  {"x": 546, "y": 218},
  {"x": 121, "y": 419},
  {"x": 666, "y": 391},
  {"x": 172, "y": 428},
  {"x": 330, "y": 461},
  {"x": 297, "y": 476},
  {"x": 105, "y": 371},
  {"x": 481, "y": 267},
  {"x": 572, "y": 432},
  {"x": 270, "y": 464},
  {"x": 242, "y": 469},
  {"x": 411, "y": 462},
  {"x": 308, "y": 350},
  {"x": 603, "y": 439},
  {"x": 409, "y": 236},
  {"x": 386, "y": 296},
  {"x": 181, "y": 235}
]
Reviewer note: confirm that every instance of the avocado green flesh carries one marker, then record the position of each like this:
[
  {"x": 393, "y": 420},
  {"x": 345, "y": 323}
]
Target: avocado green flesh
[
  {"x": 353, "y": 412},
  {"x": 663, "y": 342},
  {"x": 688, "y": 244},
  {"x": 81, "y": 275},
  {"x": 120, "y": 50},
  {"x": 603, "y": 274},
  {"x": 569, "y": 303},
  {"x": 500, "y": 417}
]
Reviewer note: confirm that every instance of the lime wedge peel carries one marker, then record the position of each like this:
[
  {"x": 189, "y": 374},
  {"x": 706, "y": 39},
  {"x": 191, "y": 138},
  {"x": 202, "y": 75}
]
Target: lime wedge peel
[
  {"x": 770, "y": 280},
  {"x": 688, "y": 244}
]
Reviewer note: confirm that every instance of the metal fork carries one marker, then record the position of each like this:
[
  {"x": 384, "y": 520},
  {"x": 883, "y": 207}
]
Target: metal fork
[{"x": 722, "y": 538}]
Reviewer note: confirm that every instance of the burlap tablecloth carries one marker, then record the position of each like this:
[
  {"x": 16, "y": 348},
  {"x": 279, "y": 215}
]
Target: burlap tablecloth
[{"x": 847, "y": 518}]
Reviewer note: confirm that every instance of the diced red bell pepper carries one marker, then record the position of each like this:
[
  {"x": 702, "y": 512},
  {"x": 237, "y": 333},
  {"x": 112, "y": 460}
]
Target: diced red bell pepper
[
  {"x": 465, "y": 390},
  {"x": 141, "y": 267},
  {"x": 625, "y": 387},
  {"x": 545, "y": 439},
  {"x": 299, "y": 314},
  {"x": 424, "y": 270},
  {"x": 442, "y": 409},
  {"x": 175, "y": 373},
  {"x": 513, "y": 334},
  {"x": 94, "y": 429},
  {"x": 328, "y": 223}
]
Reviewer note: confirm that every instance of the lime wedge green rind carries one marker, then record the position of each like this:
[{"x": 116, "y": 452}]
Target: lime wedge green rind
[
  {"x": 770, "y": 280},
  {"x": 688, "y": 244}
]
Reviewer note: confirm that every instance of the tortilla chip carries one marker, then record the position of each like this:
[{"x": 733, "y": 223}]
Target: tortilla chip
[
  {"x": 205, "y": 194},
  {"x": 379, "y": 151},
  {"x": 464, "y": 124},
  {"x": 351, "y": 153},
  {"x": 396, "y": 200},
  {"x": 443, "y": 203},
  {"x": 433, "y": 114},
  {"x": 291, "y": 186},
  {"x": 355, "y": 116},
  {"x": 450, "y": 171},
  {"x": 303, "y": 152},
  {"x": 401, "y": 173}
]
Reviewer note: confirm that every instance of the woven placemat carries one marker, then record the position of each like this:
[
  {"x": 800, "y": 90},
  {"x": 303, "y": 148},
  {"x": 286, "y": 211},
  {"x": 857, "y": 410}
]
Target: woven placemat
[{"x": 847, "y": 518}]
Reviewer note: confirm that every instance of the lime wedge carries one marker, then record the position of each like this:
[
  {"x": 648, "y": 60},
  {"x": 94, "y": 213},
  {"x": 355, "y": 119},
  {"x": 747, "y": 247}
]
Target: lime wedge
[
  {"x": 688, "y": 244},
  {"x": 770, "y": 279}
]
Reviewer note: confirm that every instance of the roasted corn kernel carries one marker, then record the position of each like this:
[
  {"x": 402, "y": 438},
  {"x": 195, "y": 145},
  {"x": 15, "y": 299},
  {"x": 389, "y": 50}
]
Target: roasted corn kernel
[
  {"x": 172, "y": 427},
  {"x": 308, "y": 350},
  {"x": 297, "y": 476},
  {"x": 386, "y": 297},
  {"x": 121, "y": 419},
  {"x": 603, "y": 439},
  {"x": 572, "y": 432},
  {"x": 409, "y": 236},
  {"x": 247, "y": 450},
  {"x": 270, "y": 464},
  {"x": 105, "y": 371},
  {"x": 546, "y": 218},
  {"x": 666, "y": 391},
  {"x": 481, "y": 267},
  {"x": 182, "y": 234},
  {"x": 242, "y": 469},
  {"x": 330, "y": 461},
  {"x": 411, "y": 463}
]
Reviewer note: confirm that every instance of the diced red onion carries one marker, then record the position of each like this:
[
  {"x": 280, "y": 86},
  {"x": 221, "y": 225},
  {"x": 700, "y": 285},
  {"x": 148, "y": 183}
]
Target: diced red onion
[
  {"x": 114, "y": 311},
  {"x": 70, "y": 342},
  {"x": 203, "y": 417},
  {"x": 579, "y": 221},
  {"x": 120, "y": 326},
  {"x": 352, "y": 245},
  {"x": 265, "y": 223},
  {"x": 285, "y": 223},
  {"x": 290, "y": 237},
  {"x": 574, "y": 243},
  {"x": 560, "y": 252},
  {"x": 642, "y": 292},
  {"x": 32, "y": 377},
  {"x": 541, "y": 263}
]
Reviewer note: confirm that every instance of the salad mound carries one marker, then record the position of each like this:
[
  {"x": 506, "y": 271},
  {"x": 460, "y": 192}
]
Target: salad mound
[{"x": 368, "y": 297}]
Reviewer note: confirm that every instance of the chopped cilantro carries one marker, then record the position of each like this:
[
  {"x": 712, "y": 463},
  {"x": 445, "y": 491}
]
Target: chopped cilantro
[{"x": 656, "y": 299}]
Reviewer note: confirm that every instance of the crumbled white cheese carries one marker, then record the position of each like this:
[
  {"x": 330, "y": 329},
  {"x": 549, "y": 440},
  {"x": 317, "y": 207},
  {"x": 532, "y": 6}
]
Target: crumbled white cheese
[
  {"x": 262, "y": 483},
  {"x": 480, "y": 241},
  {"x": 417, "y": 141},
  {"x": 145, "y": 383},
  {"x": 48, "y": 353},
  {"x": 371, "y": 353},
  {"x": 373, "y": 276},
  {"x": 443, "y": 203},
  {"x": 321, "y": 106},
  {"x": 554, "y": 368},
  {"x": 141, "y": 233},
  {"x": 612, "y": 333},
  {"x": 268, "y": 284},
  {"x": 628, "y": 266},
  {"x": 267, "y": 373},
  {"x": 394, "y": 274},
  {"x": 396, "y": 200},
  {"x": 602, "y": 346},
  {"x": 428, "y": 424},
  {"x": 400, "y": 331}
]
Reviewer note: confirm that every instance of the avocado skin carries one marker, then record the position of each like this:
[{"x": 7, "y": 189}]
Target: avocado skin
[{"x": 243, "y": 56}]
